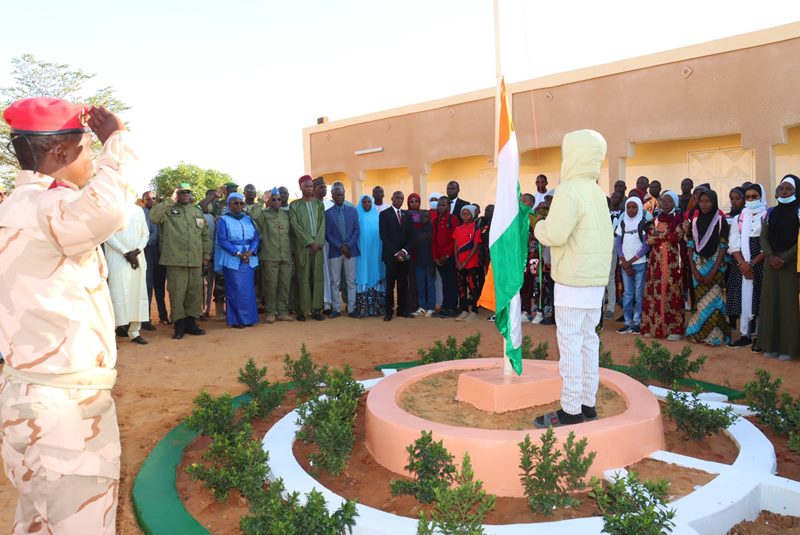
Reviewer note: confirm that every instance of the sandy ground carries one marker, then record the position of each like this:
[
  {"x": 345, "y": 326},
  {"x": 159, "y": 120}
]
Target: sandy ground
[{"x": 157, "y": 382}]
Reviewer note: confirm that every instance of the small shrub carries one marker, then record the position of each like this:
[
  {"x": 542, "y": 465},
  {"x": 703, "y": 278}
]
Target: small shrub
[
  {"x": 327, "y": 421},
  {"x": 264, "y": 397},
  {"x": 606, "y": 361},
  {"x": 450, "y": 350},
  {"x": 537, "y": 353},
  {"x": 696, "y": 419},
  {"x": 431, "y": 468},
  {"x": 632, "y": 507},
  {"x": 271, "y": 514},
  {"x": 656, "y": 362},
  {"x": 308, "y": 377},
  {"x": 234, "y": 462},
  {"x": 549, "y": 475},
  {"x": 213, "y": 416},
  {"x": 459, "y": 510},
  {"x": 774, "y": 408}
]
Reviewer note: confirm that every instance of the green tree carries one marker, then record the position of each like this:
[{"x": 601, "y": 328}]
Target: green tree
[
  {"x": 37, "y": 78},
  {"x": 168, "y": 178}
]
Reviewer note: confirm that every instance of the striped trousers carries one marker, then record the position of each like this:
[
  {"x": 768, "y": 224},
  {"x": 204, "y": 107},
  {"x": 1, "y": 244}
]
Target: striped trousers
[{"x": 579, "y": 355}]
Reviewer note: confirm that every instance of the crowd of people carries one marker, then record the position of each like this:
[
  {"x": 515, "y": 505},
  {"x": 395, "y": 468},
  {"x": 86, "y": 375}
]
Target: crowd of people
[
  {"x": 679, "y": 255},
  {"x": 313, "y": 258},
  {"x": 681, "y": 267}
]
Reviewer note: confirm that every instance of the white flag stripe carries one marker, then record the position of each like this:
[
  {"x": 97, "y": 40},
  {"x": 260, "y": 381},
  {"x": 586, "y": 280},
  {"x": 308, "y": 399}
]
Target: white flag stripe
[{"x": 506, "y": 204}]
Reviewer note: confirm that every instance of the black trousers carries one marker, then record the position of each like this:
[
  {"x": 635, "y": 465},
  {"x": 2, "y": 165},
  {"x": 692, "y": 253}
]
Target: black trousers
[
  {"x": 449, "y": 284},
  {"x": 156, "y": 280},
  {"x": 396, "y": 273}
]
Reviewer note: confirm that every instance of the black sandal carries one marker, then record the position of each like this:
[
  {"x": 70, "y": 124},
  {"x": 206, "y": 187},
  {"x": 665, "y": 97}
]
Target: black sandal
[{"x": 557, "y": 419}]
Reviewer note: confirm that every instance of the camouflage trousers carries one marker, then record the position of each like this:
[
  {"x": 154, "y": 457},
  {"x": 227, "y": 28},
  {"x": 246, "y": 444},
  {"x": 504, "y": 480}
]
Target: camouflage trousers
[{"x": 61, "y": 451}]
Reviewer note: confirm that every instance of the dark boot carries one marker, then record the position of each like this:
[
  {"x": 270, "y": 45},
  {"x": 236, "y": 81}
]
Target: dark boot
[
  {"x": 192, "y": 328},
  {"x": 180, "y": 328}
]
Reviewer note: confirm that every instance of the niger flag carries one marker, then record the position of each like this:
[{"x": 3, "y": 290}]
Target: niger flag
[{"x": 508, "y": 242}]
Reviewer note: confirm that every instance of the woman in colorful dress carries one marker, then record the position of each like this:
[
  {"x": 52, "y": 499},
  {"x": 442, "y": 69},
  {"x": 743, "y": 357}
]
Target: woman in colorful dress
[
  {"x": 707, "y": 245},
  {"x": 744, "y": 247},
  {"x": 370, "y": 270},
  {"x": 236, "y": 256},
  {"x": 663, "y": 304},
  {"x": 778, "y": 332}
]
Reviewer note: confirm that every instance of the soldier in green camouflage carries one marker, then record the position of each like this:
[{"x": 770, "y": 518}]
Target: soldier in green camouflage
[{"x": 185, "y": 253}]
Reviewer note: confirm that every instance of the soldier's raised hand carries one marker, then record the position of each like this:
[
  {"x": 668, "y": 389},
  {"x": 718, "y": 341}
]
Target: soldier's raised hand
[{"x": 104, "y": 123}]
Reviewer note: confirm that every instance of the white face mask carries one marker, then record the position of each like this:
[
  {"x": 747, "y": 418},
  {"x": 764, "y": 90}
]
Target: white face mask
[
  {"x": 433, "y": 204},
  {"x": 752, "y": 205}
]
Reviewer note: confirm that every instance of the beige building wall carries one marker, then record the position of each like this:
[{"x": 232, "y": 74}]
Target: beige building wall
[
  {"x": 787, "y": 157},
  {"x": 724, "y": 110}
]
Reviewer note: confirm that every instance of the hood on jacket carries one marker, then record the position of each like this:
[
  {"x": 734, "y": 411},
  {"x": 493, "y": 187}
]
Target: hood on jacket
[{"x": 582, "y": 154}]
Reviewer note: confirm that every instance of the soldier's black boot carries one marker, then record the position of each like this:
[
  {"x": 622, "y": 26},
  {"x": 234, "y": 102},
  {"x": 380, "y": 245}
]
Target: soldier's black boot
[
  {"x": 180, "y": 328},
  {"x": 192, "y": 328}
]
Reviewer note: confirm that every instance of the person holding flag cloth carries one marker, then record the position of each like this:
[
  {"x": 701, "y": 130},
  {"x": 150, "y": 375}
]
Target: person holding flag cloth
[{"x": 579, "y": 234}]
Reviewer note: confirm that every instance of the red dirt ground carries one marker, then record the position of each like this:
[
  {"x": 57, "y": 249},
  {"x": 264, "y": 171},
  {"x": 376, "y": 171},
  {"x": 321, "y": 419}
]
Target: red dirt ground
[{"x": 157, "y": 382}]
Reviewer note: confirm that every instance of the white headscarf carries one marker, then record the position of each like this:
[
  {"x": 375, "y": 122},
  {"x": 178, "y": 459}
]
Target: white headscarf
[
  {"x": 633, "y": 222},
  {"x": 747, "y": 284}
]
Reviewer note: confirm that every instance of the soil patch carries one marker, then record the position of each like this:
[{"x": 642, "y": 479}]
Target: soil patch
[
  {"x": 682, "y": 480},
  {"x": 220, "y": 518},
  {"x": 788, "y": 461},
  {"x": 434, "y": 398},
  {"x": 768, "y": 524},
  {"x": 365, "y": 479},
  {"x": 719, "y": 447}
]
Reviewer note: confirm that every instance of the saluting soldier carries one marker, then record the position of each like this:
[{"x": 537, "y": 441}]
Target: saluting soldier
[
  {"x": 58, "y": 432},
  {"x": 275, "y": 255},
  {"x": 186, "y": 251}
]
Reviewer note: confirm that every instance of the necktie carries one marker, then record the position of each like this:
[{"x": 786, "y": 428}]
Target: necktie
[{"x": 399, "y": 218}]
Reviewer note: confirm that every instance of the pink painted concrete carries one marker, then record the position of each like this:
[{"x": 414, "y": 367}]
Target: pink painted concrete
[
  {"x": 494, "y": 391},
  {"x": 618, "y": 440}
]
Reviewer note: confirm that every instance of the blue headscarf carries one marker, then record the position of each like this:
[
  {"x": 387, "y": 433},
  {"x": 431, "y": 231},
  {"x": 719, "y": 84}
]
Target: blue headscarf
[
  {"x": 232, "y": 196},
  {"x": 369, "y": 266},
  {"x": 275, "y": 191},
  {"x": 675, "y": 199}
]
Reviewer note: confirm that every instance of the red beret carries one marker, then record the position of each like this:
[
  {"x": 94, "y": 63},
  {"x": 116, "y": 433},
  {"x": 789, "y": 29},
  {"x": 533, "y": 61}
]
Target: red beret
[
  {"x": 304, "y": 178},
  {"x": 44, "y": 116}
]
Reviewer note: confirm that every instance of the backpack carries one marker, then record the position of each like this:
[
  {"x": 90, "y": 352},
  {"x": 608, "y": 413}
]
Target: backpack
[{"x": 640, "y": 230}]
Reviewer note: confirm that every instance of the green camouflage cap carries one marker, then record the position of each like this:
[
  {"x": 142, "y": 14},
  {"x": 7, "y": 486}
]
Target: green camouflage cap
[{"x": 184, "y": 186}]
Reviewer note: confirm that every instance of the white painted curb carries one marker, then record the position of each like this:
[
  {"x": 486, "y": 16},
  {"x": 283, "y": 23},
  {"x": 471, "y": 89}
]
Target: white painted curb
[{"x": 739, "y": 492}]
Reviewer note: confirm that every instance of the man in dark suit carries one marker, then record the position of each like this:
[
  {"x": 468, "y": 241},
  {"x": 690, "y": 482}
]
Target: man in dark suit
[
  {"x": 395, "y": 230},
  {"x": 456, "y": 204}
]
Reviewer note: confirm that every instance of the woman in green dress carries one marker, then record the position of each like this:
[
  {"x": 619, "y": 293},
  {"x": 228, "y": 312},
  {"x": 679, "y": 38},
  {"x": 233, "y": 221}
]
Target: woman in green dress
[{"x": 779, "y": 319}]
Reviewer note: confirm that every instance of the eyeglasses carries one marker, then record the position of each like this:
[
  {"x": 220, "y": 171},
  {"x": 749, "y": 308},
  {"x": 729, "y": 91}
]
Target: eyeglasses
[{"x": 185, "y": 191}]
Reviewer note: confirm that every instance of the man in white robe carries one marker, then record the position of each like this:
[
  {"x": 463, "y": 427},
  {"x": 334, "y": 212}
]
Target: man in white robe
[{"x": 127, "y": 274}]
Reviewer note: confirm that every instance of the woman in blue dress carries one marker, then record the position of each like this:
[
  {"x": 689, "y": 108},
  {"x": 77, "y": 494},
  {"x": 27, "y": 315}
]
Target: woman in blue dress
[
  {"x": 236, "y": 256},
  {"x": 370, "y": 270}
]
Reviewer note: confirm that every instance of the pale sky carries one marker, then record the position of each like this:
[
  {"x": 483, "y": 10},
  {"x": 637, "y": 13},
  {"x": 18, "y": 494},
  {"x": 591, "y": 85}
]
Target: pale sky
[{"x": 231, "y": 84}]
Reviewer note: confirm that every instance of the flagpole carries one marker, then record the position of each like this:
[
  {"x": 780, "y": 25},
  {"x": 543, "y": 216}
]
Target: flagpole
[
  {"x": 508, "y": 371},
  {"x": 498, "y": 71}
]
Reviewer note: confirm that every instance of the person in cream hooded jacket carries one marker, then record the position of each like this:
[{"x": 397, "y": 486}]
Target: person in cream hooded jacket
[{"x": 578, "y": 231}]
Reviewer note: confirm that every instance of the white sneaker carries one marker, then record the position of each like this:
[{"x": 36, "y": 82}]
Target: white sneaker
[
  {"x": 472, "y": 316},
  {"x": 526, "y": 317},
  {"x": 674, "y": 338},
  {"x": 419, "y": 312},
  {"x": 490, "y": 318},
  {"x": 429, "y": 314},
  {"x": 537, "y": 319},
  {"x": 462, "y": 316}
]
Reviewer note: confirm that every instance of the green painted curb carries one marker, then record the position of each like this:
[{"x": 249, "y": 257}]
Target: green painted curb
[{"x": 159, "y": 509}]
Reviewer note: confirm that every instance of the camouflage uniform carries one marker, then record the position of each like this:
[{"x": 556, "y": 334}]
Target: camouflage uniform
[
  {"x": 59, "y": 438},
  {"x": 186, "y": 243}
]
